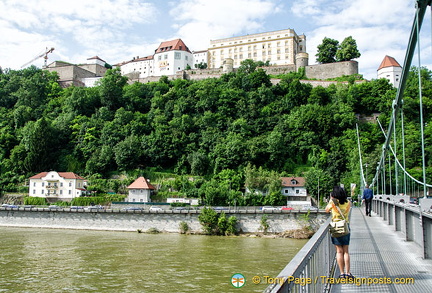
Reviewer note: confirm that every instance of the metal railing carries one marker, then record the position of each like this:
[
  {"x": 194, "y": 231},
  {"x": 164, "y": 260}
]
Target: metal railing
[
  {"x": 408, "y": 219},
  {"x": 304, "y": 272}
]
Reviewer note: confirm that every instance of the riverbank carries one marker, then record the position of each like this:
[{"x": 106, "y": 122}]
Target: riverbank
[{"x": 167, "y": 222}]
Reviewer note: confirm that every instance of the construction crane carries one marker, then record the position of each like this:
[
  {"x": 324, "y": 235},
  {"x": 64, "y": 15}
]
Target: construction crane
[{"x": 44, "y": 55}]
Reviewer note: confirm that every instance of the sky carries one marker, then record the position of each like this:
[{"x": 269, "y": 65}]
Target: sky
[{"x": 118, "y": 30}]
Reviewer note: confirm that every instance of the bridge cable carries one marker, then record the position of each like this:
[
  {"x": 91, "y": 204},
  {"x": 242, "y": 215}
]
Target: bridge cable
[
  {"x": 400, "y": 165},
  {"x": 421, "y": 6},
  {"x": 363, "y": 180},
  {"x": 421, "y": 107}
]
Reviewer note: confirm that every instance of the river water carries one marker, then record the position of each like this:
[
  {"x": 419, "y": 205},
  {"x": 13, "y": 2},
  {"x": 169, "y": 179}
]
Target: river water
[{"x": 57, "y": 260}]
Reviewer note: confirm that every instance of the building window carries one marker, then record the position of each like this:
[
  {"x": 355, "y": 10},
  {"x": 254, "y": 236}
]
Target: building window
[
  {"x": 70, "y": 192},
  {"x": 177, "y": 55},
  {"x": 297, "y": 191},
  {"x": 61, "y": 192},
  {"x": 34, "y": 184},
  {"x": 70, "y": 184},
  {"x": 61, "y": 184},
  {"x": 43, "y": 184},
  {"x": 34, "y": 191},
  {"x": 165, "y": 56},
  {"x": 286, "y": 191},
  {"x": 42, "y": 191},
  {"x": 159, "y": 57}
]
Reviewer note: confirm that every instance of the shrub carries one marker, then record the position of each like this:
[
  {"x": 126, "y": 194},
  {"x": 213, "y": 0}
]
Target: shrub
[
  {"x": 184, "y": 228},
  {"x": 264, "y": 224},
  {"x": 222, "y": 224},
  {"x": 231, "y": 226},
  {"x": 36, "y": 201},
  {"x": 209, "y": 220}
]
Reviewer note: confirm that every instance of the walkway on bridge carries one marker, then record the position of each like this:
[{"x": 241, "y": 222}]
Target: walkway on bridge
[{"x": 378, "y": 251}]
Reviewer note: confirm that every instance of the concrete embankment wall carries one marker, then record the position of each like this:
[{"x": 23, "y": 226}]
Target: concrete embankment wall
[{"x": 165, "y": 221}]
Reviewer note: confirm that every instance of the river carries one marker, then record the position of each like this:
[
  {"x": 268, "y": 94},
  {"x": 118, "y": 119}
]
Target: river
[{"x": 57, "y": 260}]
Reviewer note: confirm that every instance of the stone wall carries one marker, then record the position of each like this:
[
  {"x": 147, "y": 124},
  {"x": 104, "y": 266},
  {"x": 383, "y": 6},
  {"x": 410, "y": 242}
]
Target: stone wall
[
  {"x": 331, "y": 70},
  {"x": 168, "y": 221},
  {"x": 319, "y": 71}
]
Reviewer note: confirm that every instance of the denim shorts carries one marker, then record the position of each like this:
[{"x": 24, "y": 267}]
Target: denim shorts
[{"x": 343, "y": 240}]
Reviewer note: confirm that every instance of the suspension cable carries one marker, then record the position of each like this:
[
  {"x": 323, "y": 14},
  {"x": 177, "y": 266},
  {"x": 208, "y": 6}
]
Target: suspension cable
[{"x": 421, "y": 107}]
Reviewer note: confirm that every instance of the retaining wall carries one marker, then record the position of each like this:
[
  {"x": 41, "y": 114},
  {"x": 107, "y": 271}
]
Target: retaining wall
[{"x": 167, "y": 221}]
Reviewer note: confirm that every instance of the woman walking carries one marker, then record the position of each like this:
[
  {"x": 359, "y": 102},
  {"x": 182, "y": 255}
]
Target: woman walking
[{"x": 338, "y": 198}]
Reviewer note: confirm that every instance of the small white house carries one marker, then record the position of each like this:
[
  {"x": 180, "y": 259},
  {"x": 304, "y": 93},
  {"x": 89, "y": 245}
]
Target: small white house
[
  {"x": 294, "y": 188},
  {"x": 391, "y": 70},
  {"x": 140, "y": 190},
  {"x": 57, "y": 185}
]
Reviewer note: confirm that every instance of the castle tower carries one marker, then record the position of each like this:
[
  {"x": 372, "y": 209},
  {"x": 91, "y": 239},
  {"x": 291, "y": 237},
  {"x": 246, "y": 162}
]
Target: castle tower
[
  {"x": 302, "y": 60},
  {"x": 391, "y": 70}
]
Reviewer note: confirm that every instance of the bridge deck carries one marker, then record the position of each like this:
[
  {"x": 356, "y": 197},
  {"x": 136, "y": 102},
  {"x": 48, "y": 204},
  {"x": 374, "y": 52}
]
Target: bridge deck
[{"x": 377, "y": 251}]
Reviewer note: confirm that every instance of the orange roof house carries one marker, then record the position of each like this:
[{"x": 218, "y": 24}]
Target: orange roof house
[
  {"x": 141, "y": 183},
  {"x": 177, "y": 45},
  {"x": 54, "y": 186},
  {"x": 391, "y": 70},
  {"x": 389, "y": 61},
  {"x": 140, "y": 190}
]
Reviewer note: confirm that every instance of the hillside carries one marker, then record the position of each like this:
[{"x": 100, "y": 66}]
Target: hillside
[{"x": 204, "y": 128}]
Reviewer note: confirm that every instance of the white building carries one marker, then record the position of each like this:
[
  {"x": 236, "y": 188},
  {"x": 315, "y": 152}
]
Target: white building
[
  {"x": 57, "y": 185},
  {"x": 294, "y": 188},
  {"x": 169, "y": 57},
  {"x": 138, "y": 67},
  {"x": 172, "y": 56},
  {"x": 277, "y": 47},
  {"x": 391, "y": 70},
  {"x": 140, "y": 190},
  {"x": 199, "y": 57}
]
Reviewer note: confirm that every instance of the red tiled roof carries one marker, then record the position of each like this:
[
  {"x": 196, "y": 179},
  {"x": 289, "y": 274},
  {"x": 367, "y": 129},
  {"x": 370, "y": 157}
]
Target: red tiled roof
[
  {"x": 66, "y": 175},
  {"x": 389, "y": 62},
  {"x": 293, "y": 181},
  {"x": 141, "y": 183},
  {"x": 177, "y": 45}
]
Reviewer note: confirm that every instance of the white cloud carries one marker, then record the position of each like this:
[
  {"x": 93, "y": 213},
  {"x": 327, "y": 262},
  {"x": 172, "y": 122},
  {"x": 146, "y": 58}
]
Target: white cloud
[
  {"x": 70, "y": 26},
  {"x": 199, "y": 21}
]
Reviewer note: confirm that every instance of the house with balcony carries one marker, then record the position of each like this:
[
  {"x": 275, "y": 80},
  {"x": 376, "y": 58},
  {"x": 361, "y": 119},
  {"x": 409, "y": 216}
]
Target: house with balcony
[
  {"x": 140, "y": 190},
  {"x": 56, "y": 186},
  {"x": 294, "y": 188}
]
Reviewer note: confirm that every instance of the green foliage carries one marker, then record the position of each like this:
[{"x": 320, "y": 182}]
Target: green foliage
[
  {"x": 330, "y": 51},
  {"x": 229, "y": 133},
  {"x": 36, "y": 201},
  {"x": 264, "y": 224},
  {"x": 184, "y": 227},
  {"x": 208, "y": 218},
  {"x": 231, "y": 228},
  {"x": 347, "y": 50},
  {"x": 327, "y": 51}
]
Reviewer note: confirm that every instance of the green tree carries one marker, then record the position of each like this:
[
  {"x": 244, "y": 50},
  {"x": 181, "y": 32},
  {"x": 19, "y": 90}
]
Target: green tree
[
  {"x": 327, "y": 51},
  {"x": 347, "y": 50}
]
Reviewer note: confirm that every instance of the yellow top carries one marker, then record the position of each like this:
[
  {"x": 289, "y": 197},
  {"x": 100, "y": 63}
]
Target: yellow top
[{"x": 336, "y": 216}]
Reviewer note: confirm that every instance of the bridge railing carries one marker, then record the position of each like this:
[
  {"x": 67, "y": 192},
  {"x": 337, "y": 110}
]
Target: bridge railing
[
  {"x": 304, "y": 272},
  {"x": 408, "y": 219}
]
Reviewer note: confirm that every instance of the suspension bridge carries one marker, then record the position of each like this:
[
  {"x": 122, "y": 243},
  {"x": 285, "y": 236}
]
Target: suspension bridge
[{"x": 392, "y": 250}]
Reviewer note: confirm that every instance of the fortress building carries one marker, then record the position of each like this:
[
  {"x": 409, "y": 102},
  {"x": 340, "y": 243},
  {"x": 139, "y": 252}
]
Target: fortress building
[
  {"x": 169, "y": 57},
  {"x": 391, "y": 70},
  {"x": 277, "y": 47}
]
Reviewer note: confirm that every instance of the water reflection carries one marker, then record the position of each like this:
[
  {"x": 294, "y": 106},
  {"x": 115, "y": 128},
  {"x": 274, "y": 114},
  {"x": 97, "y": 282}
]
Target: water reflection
[{"x": 51, "y": 260}]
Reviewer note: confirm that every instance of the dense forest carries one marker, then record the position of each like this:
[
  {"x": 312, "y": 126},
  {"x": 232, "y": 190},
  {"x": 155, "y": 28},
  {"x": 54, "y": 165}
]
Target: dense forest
[{"x": 230, "y": 132}]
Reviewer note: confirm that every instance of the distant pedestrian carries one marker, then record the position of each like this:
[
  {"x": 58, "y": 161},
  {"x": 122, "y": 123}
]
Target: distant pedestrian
[
  {"x": 367, "y": 199},
  {"x": 338, "y": 198}
]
